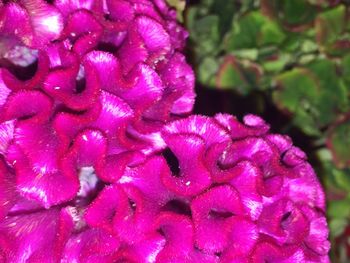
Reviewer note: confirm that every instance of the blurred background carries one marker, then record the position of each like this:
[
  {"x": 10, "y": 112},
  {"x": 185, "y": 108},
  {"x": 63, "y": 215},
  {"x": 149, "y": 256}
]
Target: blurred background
[{"x": 288, "y": 61}]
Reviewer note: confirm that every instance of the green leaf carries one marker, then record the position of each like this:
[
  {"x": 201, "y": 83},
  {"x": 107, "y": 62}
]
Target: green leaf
[
  {"x": 271, "y": 33},
  {"x": 337, "y": 226},
  {"x": 225, "y": 10},
  {"x": 339, "y": 142},
  {"x": 277, "y": 63},
  {"x": 251, "y": 54},
  {"x": 230, "y": 76},
  {"x": 207, "y": 69},
  {"x": 346, "y": 69},
  {"x": 296, "y": 12},
  {"x": 297, "y": 89},
  {"x": 333, "y": 95},
  {"x": 205, "y": 34},
  {"x": 241, "y": 77},
  {"x": 293, "y": 42},
  {"x": 308, "y": 46},
  {"x": 291, "y": 13},
  {"x": 314, "y": 95},
  {"x": 306, "y": 122},
  {"x": 298, "y": 93},
  {"x": 339, "y": 208},
  {"x": 253, "y": 30},
  {"x": 342, "y": 178},
  {"x": 330, "y": 24}
]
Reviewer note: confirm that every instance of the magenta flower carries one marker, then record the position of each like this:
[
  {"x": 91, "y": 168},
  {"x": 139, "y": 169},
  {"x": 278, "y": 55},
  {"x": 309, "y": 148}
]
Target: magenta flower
[
  {"x": 86, "y": 84},
  {"x": 252, "y": 195},
  {"x": 221, "y": 191},
  {"x": 96, "y": 164}
]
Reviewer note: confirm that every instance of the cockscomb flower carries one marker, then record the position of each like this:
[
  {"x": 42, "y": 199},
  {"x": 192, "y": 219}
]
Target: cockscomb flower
[
  {"x": 86, "y": 84},
  {"x": 221, "y": 191}
]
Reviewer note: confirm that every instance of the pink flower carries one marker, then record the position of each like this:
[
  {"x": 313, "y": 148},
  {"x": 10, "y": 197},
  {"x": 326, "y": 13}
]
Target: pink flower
[
  {"x": 79, "y": 77},
  {"x": 222, "y": 191},
  {"x": 99, "y": 164}
]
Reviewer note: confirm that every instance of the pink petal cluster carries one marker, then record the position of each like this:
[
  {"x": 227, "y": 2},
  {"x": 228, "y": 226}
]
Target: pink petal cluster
[
  {"x": 86, "y": 84},
  {"x": 96, "y": 164},
  {"x": 222, "y": 191},
  {"x": 251, "y": 194}
]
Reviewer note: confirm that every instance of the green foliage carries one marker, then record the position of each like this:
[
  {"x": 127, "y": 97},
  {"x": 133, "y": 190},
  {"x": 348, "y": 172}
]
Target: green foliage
[
  {"x": 339, "y": 143},
  {"x": 295, "y": 51},
  {"x": 298, "y": 54}
]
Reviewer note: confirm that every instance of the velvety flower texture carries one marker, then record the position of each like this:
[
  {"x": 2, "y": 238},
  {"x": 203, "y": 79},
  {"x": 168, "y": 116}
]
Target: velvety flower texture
[
  {"x": 221, "y": 191},
  {"x": 97, "y": 166},
  {"x": 86, "y": 84}
]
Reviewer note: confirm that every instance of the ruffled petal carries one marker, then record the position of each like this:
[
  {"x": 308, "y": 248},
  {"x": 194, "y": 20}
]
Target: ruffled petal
[
  {"x": 147, "y": 8},
  {"x": 255, "y": 149},
  {"x": 120, "y": 10},
  {"x": 147, "y": 143},
  {"x": 317, "y": 244},
  {"x": 307, "y": 187},
  {"x": 67, "y": 126},
  {"x": 101, "y": 212},
  {"x": 91, "y": 245},
  {"x": 294, "y": 156},
  {"x": 38, "y": 171},
  {"x": 46, "y": 21},
  {"x": 147, "y": 40},
  {"x": 4, "y": 90},
  {"x": 83, "y": 38},
  {"x": 282, "y": 142},
  {"x": 38, "y": 142},
  {"x": 109, "y": 71},
  {"x": 145, "y": 251},
  {"x": 178, "y": 75},
  {"x": 285, "y": 222},
  {"x": 41, "y": 22},
  {"x": 178, "y": 232},
  {"x": 35, "y": 81},
  {"x": 301, "y": 189},
  {"x": 154, "y": 36},
  {"x": 12, "y": 15},
  {"x": 87, "y": 152},
  {"x": 6, "y": 135},
  {"x": 212, "y": 213},
  {"x": 41, "y": 185},
  {"x": 147, "y": 88},
  {"x": 243, "y": 236},
  {"x": 62, "y": 85},
  {"x": 147, "y": 178},
  {"x": 114, "y": 117},
  {"x": 135, "y": 222},
  {"x": 178, "y": 34},
  {"x": 68, "y": 6},
  {"x": 264, "y": 156},
  {"x": 79, "y": 23},
  {"x": 267, "y": 251},
  {"x": 202, "y": 126},
  {"x": 8, "y": 195},
  {"x": 61, "y": 56},
  {"x": 221, "y": 172},
  {"x": 317, "y": 238},
  {"x": 252, "y": 125},
  {"x": 191, "y": 176},
  {"x": 248, "y": 182},
  {"x": 115, "y": 165},
  {"x": 30, "y": 237},
  {"x": 31, "y": 106}
]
